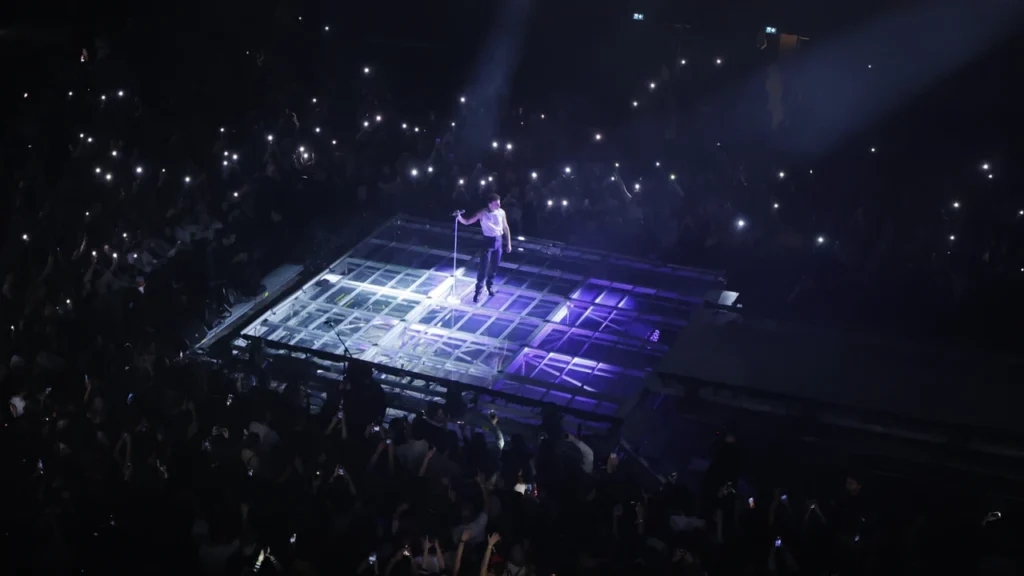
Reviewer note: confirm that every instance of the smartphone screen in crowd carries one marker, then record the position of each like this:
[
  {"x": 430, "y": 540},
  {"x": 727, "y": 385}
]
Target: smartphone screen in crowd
[{"x": 231, "y": 398}]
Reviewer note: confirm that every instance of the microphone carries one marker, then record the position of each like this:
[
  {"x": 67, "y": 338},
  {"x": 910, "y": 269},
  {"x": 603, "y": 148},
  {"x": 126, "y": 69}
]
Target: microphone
[{"x": 458, "y": 212}]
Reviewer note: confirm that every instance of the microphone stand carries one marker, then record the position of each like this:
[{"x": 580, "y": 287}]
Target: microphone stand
[
  {"x": 338, "y": 336},
  {"x": 455, "y": 252}
]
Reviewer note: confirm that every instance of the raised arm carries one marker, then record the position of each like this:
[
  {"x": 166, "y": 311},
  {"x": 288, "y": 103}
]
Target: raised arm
[
  {"x": 471, "y": 220},
  {"x": 492, "y": 540}
]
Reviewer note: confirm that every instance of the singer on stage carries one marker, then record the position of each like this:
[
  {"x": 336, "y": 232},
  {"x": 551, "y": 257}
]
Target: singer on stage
[{"x": 494, "y": 225}]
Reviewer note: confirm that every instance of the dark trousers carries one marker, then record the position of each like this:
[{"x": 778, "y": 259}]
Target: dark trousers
[{"x": 490, "y": 259}]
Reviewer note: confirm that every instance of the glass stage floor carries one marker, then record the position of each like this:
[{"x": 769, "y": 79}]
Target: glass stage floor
[{"x": 567, "y": 325}]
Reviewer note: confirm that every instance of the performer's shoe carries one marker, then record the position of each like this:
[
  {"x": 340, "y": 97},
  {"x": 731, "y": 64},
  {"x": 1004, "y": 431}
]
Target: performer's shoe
[
  {"x": 491, "y": 291},
  {"x": 476, "y": 297}
]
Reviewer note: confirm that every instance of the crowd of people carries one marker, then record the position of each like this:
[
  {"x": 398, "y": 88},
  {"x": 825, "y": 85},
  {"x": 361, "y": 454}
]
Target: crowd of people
[{"x": 135, "y": 219}]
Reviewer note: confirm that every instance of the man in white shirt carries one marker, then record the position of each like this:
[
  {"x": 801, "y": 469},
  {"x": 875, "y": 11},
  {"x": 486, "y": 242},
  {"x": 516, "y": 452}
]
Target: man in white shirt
[{"x": 494, "y": 225}]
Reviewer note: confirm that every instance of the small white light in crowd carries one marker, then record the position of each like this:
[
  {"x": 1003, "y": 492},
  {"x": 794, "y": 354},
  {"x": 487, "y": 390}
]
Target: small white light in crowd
[
  {"x": 462, "y": 99},
  {"x": 302, "y": 148},
  {"x": 568, "y": 169},
  {"x": 317, "y": 129},
  {"x": 869, "y": 65},
  {"x": 956, "y": 204},
  {"x": 103, "y": 97},
  {"x": 379, "y": 118},
  {"x": 657, "y": 164},
  {"x": 98, "y": 170},
  {"x": 653, "y": 85},
  {"x": 120, "y": 93},
  {"x": 69, "y": 301},
  {"x": 414, "y": 172},
  {"x": 114, "y": 254},
  {"x": 221, "y": 130},
  {"x": 109, "y": 176},
  {"x": 89, "y": 139},
  {"x": 334, "y": 142},
  {"x": 234, "y": 156},
  {"x": 671, "y": 176},
  {"x": 366, "y": 124},
  {"x": 636, "y": 186},
  {"x": 775, "y": 206},
  {"x": 404, "y": 126},
  {"x": 542, "y": 116},
  {"x": 135, "y": 255},
  {"x": 225, "y": 163},
  {"x": 494, "y": 145},
  {"x": 163, "y": 170},
  {"x": 533, "y": 175},
  {"x": 872, "y": 150},
  {"x": 810, "y": 171},
  {"x": 483, "y": 182},
  {"x": 462, "y": 181},
  {"x": 430, "y": 169},
  {"x": 597, "y": 137},
  {"x": 300, "y": 18},
  {"x": 989, "y": 176},
  {"x": 520, "y": 238},
  {"x": 138, "y": 169},
  {"x": 718, "y": 61},
  {"x": 490, "y": 178},
  {"x": 327, "y": 28},
  {"x": 741, "y": 223},
  {"x": 80, "y": 136},
  {"x": 682, "y": 62},
  {"x": 952, "y": 237},
  {"x": 782, "y": 175},
  {"x": 236, "y": 194},
  {"x": 508, "y": 146},
  {"x": 113, "y": 153},
  {"x": 635, "y": 103},
  {"x": 270, "y": 137},
  {"x": 24, "y": 236},
  {"x": 94, "y": 253},
  {"x": 226, "y": 153},
  {"x": 821, "y": 239},
  {"x": 551, "y": 203},
  {"x": 26, "y": 94},
  {"x": 565, "y": 202},
  {"x": 616, "y": 164},
  {"x": 70, "y": 93},
  {"x": 86, "y": 214},
  {"x": 985, "y": 166},
  {"x": 304, "y": 156},
  {"x": 1020, "y": 213},
  {"x": 416, "y": 129},
  {"x": 124, "y": 235},
  {"x": 188, "y": 179},
  {"x": 453, "y": 124},
  {"x": 366, "y": 70}
]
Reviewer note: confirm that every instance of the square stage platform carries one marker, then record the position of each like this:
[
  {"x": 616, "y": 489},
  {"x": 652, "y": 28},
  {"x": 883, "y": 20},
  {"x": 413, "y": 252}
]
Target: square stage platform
[{"x": 567, "y": 325}]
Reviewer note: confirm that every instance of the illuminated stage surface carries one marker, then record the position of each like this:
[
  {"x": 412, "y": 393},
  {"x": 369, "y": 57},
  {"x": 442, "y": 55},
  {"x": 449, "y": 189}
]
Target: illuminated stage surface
[{"x": 569, "y": 326}]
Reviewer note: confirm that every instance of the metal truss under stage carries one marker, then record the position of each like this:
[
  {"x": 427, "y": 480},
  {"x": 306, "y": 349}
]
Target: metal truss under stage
[{"x": 570, "y": 326}]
